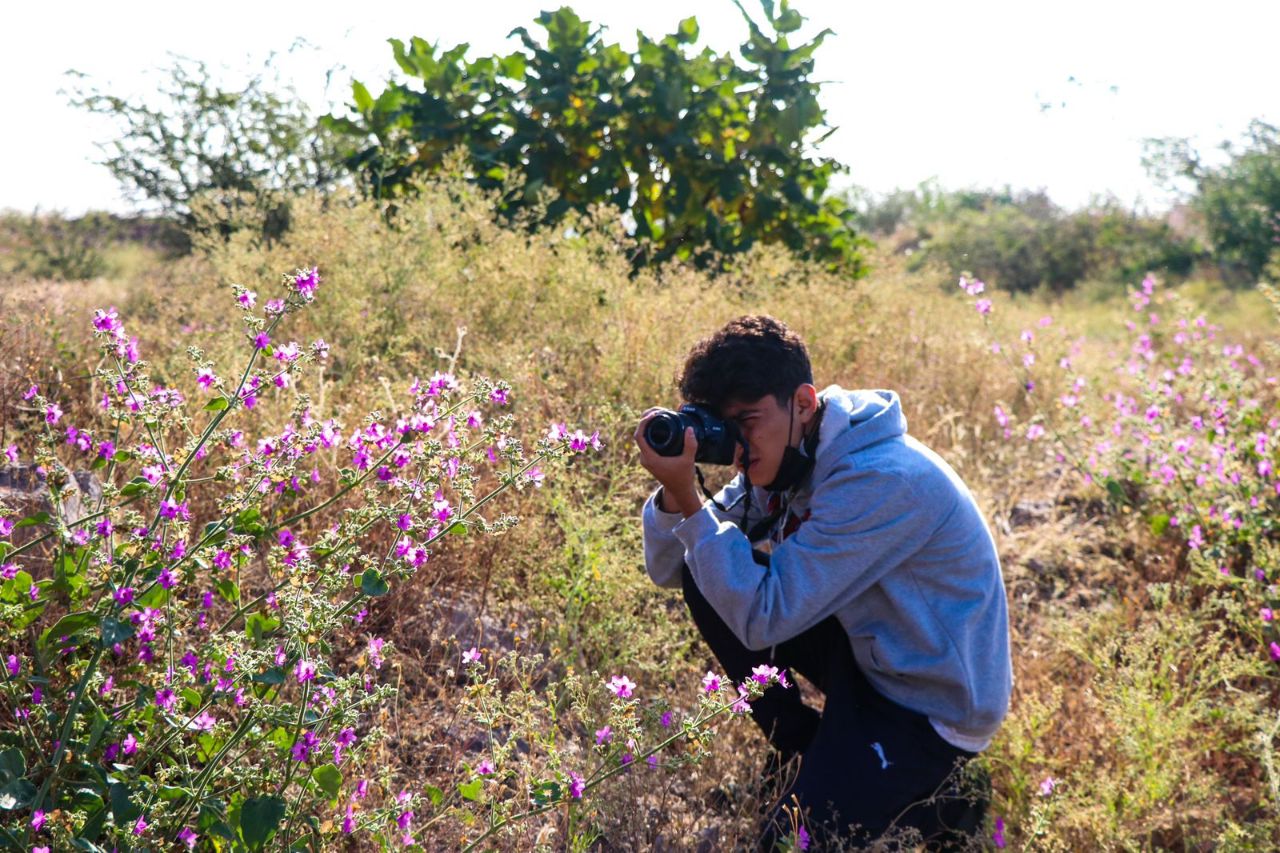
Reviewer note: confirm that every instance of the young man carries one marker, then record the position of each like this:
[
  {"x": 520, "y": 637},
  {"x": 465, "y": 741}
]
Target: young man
[{"x": 850, "y": 553}]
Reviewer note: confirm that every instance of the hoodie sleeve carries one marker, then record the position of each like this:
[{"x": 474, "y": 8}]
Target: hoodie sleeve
[
  {"x": 664, "y": 553},
  {"x": 863, "y": 523}
]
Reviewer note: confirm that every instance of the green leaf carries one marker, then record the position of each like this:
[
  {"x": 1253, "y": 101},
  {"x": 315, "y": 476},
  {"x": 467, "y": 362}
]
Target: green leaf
[
  {"x": 70, "y": 625},
  {"x": 136, "y": 486},
  {"x": 217, "y": 404},
  {"x": 275, "y": 675},
  {"x": 13, "y": 765},
  {"x": 471, "y": 790},
  {"x": 122, "y": 805},
  {"x": 372, "y": 584},
  {"x": 33, "y": 520},
  {"x": 115, "y": 631},
  {"x": 172, "y": 792},
  {"x": 1159, "y": 524},
  {"x": 259, "y": 819},
  {"x": 434, "y": 794},
  {"x": 228, "y": 590},
  {"x": 258, "y": 625},
  {"x": 18, "y": 794},
  {"x": 687, "y": 30},
  {"x": 544, "y": 793},
  {"x": 329, "y": 778}
]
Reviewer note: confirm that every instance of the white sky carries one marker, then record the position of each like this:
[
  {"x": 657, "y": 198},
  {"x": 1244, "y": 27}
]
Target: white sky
[{"x": 943, "y": 89}]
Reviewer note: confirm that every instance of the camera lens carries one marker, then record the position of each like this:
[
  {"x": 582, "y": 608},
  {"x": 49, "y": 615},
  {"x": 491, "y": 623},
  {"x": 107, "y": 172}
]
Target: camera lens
[{"x": 665, "y": 433}]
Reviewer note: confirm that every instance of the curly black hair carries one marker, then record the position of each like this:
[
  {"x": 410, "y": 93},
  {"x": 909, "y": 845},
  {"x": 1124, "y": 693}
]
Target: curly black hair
[{"x": 748, "y": 358}]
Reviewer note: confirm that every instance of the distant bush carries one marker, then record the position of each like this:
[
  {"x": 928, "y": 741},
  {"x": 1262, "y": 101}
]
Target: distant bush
[{"x": 1022, "y": 240}]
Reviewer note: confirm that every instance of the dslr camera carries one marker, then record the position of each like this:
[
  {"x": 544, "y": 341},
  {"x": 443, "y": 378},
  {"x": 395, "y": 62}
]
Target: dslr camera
[{"x": 716, "y": 437}]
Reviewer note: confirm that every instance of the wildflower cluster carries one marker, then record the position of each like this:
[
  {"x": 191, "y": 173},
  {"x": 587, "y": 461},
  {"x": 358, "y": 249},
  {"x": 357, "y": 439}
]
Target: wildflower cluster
[
  {"x": 1183, "y": 435},
  {"x": 548, "y": 747},
  {"x": 171, "y": 666}
]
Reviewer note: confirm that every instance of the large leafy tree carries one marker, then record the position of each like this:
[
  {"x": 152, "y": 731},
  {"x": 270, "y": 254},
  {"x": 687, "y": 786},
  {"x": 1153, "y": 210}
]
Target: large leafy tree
[
  {"x": 197, "y": 140},
  {"x": 707, "y": 154},
  {"x": 1238, "y": 200}
]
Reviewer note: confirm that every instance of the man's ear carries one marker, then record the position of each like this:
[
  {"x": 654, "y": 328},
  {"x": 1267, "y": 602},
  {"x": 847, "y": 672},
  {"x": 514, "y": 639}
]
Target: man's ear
[{"x": 806, "y": 401}]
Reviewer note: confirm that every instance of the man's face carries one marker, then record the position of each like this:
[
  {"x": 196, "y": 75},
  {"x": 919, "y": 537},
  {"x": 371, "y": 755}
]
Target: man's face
[{"x": 769, "y": 427}]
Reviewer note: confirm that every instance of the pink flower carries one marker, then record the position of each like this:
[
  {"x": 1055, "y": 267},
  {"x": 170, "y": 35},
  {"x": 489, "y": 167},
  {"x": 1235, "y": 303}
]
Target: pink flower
[
  {"x": 304, "y": 670},
  {"x": 983, "y": 306},
  {"x": 31, "y": 392},
  {"x": 485, "y": 767},
  {"x": 188, "y": 837},
  {"x": 247, "y": 298},
  {"x": 471, "y": 655},
  {"x": 307, "y": 281},
  {"x": 130, "y": 744},
  {"x": 498, "y": 396},
  {"x": 1266, "y": 614},
  {"x": 711, "y": 682},
  {"x": 1034, "y": 431},
  {"x": 205, "y": 378},
  {"x": 11, "y": 454},
  {"x": 764, "y": 673},
  {"x": 37, "y": 820},
  {"x": 262, "y": 340},
  {"x": 603, "y": 735},
  {"x": 621, "y": 686},
  {"x": 1275, "y": 651},
  {"x": 52, "y": 413},
  {"x": 1047, "y": 786},
  {"x": 140, "y": 826},
  {"x": 576, "y": 785}
]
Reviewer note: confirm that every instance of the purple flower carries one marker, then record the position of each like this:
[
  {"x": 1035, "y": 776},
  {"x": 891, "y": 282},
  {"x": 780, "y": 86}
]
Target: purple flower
[
  {"x": 576, "y": 785},
  {"x": 997, "y": 837},
  {"x": 52, "y": 413},
  {"x": 471, "y": 655},
  {"x": 304, "y": 670},
  {"x": 166, "y": 699},
  {"x": 983, "y": 306},
  {"x": 485, "y": 767},
  {"x": 188, "y": 837},
  {"x": 140, "y": 826},
  {"x": 262, "y": 341},
  {"x": 11, "y": 454},
  {"x": 603, "y": 735},
  {"x": 621, "y": 686},
  {"x": 37, "y": 820},
  {"x": 711, "y": 682},
  {"x": 307, "y": 281},
  {"x": 764, "y": 673},
  {"x": 802, "y": 838},
  {"x": 130, "y": 744},
  {"x": 498, "y": 396}
]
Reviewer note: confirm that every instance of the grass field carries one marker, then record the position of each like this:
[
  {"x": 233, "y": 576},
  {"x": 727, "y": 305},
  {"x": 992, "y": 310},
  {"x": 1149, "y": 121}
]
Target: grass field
[{"x": 1144, "y": 713}]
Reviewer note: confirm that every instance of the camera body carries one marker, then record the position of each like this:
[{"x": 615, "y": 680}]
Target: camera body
[{"x": 717, "y": 438}]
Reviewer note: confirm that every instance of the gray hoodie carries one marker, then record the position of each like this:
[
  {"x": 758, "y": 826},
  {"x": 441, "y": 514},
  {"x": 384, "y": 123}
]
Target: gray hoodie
[{"x": 894, "y": 546}]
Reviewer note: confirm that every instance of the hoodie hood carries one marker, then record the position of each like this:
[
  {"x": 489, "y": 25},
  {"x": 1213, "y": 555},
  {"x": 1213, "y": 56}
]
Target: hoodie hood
[{"x": 856, "y": 420}]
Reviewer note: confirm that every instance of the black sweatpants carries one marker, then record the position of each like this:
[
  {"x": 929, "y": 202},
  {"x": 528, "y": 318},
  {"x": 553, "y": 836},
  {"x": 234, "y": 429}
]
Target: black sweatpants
[{"x": 865, "y": 760}]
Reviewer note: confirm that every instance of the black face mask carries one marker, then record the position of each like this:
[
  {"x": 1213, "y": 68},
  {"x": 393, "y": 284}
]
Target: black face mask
[{"x": 797, "y": 462}]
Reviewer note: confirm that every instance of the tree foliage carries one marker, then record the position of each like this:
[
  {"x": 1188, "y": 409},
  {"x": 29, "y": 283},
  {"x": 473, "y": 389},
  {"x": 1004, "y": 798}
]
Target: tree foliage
[
  {"x": 1021, "y": 240},
  {"x": 239, "y": 147},
  {"x": 707, "y": 154},
  {"x": 1239, "y": 200}
]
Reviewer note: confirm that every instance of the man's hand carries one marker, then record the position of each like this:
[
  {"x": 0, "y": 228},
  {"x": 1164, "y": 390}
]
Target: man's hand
[{"x": 675, "y": 473}]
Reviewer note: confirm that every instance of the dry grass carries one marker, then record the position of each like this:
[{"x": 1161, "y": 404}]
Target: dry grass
[{"x": 1131, "y": 698}]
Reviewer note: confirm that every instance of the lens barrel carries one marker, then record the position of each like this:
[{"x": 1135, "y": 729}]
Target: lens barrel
[{"x": 717, "y": 439}]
